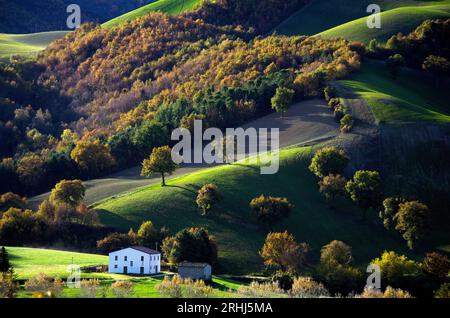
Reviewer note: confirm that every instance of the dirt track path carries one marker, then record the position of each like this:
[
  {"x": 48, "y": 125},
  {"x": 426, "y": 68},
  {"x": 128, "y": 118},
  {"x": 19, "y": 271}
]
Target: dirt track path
[{"x": 305, "y": 123}]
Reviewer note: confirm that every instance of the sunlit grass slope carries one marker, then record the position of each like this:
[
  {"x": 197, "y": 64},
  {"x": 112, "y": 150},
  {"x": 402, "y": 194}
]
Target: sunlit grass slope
[
  {"x": 321, "y": 15},
  {"x": 26, "y": 44},
  {"x": 404, "y": 20},
  {"x": 238, "y": 235},
  {"x": 28, "y": 262},
  {"x": 409, "y": 98},
  {"x": 171, "y": 7}
]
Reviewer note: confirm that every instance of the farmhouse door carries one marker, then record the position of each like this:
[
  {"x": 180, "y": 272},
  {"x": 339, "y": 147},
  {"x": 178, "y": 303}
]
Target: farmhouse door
[
  {"x": 142, "y": 270},
  {"x": 125, "y": 269}
]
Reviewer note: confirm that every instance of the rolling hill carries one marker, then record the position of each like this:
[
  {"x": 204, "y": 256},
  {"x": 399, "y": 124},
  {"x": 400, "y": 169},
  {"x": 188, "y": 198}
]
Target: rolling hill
[
  {"x": 26, "y": 44},
  {"x": 404, "y": 19},
  {"x": 321, "y": 15},
  {"x": 239, "y": 236},
  {"x": 171, "y": 7},
  {"x": 405, "y": 100},
  {"x": 25, "y": 16}
]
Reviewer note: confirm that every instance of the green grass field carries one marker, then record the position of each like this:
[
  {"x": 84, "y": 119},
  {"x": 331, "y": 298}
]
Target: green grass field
[
  {"x": 171, "y": 7},
  {"x": 239, "y": 236},
  {"x": 321, "y": 15},
  {"x": 409, "y": 98},
  {"x": 404, "y": 20},
  {"x": 27, "y": 45},
  {"x": 28, "y": 262}
]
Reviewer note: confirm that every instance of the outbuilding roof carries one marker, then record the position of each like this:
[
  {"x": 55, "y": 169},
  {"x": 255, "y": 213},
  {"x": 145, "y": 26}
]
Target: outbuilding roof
[{"x": 190, "y": 264}]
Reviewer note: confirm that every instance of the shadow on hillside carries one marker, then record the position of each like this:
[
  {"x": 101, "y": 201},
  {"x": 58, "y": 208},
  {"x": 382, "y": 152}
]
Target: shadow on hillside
[
  {"x": 180, "y": 187},
  {"x": 112, "y": 220}
]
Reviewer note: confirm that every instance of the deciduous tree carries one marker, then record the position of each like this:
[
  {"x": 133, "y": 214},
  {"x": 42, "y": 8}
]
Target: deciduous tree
[
  {"x": 92, "y": 156},
  {"x": 436, "y": 264},
  {"x": 207, "y": 197},
  {"x": 270, "y": 210},
  {"x": 282, "y": 250},
  {"x": 160, "y": 161},
  {"x": 282, "y": 99},
  {"x": 411, "y": 220},
  {"x": 365, "y": 189},
  {"x": 332, "y": 186},
  {"x": 70, "y": 192},
  {"x": 329, "y": 160}
]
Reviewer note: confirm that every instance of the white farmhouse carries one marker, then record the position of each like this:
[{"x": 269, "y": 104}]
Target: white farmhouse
[{"x": 135, "y": 260}]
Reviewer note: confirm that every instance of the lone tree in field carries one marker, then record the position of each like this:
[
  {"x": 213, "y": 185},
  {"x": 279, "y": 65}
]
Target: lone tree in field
[
  {"x": 412, "y": 220},
  {"x": 365, "y": 189},
  {"x": 281, "y": 249},
  {"x": 70, "y": 192},
  {"x": 437, "y": 66},
  {"x": 393, "y": 64},
  {"x": 207, "y": 197},
  {"x": 270, "y": 210},
  {"x": 282, "y": 99},
  {"x": 5, "y": 266},
  {"x": 160, "y": 161},
  {"x": 332, "y": 186},
  {"x": 329, "y": 160}
]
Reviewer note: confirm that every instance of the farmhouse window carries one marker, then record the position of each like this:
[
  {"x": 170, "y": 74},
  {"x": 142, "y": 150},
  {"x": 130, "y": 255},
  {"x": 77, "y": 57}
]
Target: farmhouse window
[
  {"x": 125, "y": 258},
  {"x": 116, "y": 258},
  {"x": 142, "y": 258},
  {"x": 131, "y": 263}
]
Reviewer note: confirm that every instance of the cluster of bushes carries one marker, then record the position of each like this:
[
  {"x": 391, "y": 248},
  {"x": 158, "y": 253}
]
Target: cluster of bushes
[
  {"x": 45, "y": 286},
  {"x": 411, "y": 218},
  {"x": 424, "y": 48},
  {"x": 177, "y": 287},
  {"x": 192, "y": 245},
  {"x": 336, "y": 275},
  {"x": 62, "y": 219},
  {"x": 340, "y": 111},
  {"x": 147, "y": 235}
]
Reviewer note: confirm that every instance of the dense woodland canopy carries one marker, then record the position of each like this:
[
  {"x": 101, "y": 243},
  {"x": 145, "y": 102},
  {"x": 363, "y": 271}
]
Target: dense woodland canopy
[
  {"x": 101, "y": 99},
  {"x": 119, "y": 91}
]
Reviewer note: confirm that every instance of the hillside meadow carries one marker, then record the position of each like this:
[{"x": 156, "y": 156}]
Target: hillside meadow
[
  {"x": 238, "y": 235},
  {"x": 27, "y": 45},
  {"x": 171, "y": 7},
  {"x": 406, "y": 99},
  {"x": 321, "y": 15},
  {"x": 404, "y": 20}
]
